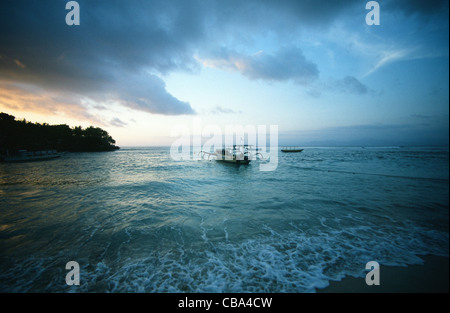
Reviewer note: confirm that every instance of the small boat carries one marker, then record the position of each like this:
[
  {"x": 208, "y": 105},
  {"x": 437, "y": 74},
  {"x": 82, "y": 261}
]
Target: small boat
[
  {"x": 29, "y": 156},
  {"x": 291, "y": 149},
  {"x": 237, "y": 154}
]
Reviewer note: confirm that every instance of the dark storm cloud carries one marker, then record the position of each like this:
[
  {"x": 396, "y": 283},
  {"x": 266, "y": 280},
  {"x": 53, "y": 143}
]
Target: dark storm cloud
[
  {"x": 285, "y": 64},
  {"x": 319, "y": 13},
  {"x": 122, "y": 48},
  {"x": 288, "y": 63},
  {"x": 116, "y": 42},
  {"x": 350, "y": 84},
  {"x": 148, "y": 93},
  {"x": 416, "y": 7}
]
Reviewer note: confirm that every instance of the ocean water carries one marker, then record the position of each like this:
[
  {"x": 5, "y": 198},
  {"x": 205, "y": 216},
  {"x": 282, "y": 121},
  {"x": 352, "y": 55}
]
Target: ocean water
[{"x": 137, "y": 221}]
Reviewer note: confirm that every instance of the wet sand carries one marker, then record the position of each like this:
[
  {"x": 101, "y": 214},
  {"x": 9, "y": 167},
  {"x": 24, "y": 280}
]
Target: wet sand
[{"x": 431, "y": 277}]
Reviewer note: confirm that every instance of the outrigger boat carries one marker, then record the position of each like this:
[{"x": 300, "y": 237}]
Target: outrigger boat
[
  {"x": 29, "y": 156},
  {"x": 238, "y": 154}
]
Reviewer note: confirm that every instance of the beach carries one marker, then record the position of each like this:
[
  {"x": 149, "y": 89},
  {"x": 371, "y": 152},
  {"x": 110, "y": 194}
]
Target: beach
[{"x": 431, "y": 277}]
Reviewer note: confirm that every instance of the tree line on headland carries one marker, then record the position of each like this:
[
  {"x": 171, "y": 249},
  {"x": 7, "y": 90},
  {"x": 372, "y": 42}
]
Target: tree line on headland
[{"x": 23, "y": 135}]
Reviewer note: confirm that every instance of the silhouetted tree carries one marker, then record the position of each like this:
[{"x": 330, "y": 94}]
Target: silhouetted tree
[{"x": 16, "y": 135}]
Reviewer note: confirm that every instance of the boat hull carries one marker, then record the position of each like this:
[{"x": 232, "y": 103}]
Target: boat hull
[
  {"x": 235, "y": 161},
  {"x": 31, "y": 156},
  {"x": 30, "y": 159},
  {"x": 291, "y": 151}
]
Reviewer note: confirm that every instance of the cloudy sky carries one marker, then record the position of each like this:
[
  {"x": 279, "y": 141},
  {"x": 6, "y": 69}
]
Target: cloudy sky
[{"x": 314, "y": 68}]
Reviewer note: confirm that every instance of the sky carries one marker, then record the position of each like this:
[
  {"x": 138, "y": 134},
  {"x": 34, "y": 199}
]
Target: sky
[{"x": 316, "y": 69}]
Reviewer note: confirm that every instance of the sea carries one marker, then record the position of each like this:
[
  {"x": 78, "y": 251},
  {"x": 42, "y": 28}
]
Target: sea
[{"x": 136, "y": 220}]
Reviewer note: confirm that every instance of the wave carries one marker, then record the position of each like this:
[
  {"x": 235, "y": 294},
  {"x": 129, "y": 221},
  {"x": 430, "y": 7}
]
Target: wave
[{"x": 297, "y": 260}]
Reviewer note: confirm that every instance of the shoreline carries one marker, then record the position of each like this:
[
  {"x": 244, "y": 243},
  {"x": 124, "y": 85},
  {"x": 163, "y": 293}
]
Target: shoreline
[{"x": 430, "y": 277}]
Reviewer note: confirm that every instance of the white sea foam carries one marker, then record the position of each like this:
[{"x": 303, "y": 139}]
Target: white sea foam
[{"x": 278, "y": 262}]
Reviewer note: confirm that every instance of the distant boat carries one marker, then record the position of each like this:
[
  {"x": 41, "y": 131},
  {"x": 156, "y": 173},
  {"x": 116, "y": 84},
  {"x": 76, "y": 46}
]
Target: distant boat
[
  {"x": 291, "y": 149},
  {"x": 28, "y": 156},
  {"x": 237, "y": 154}
]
